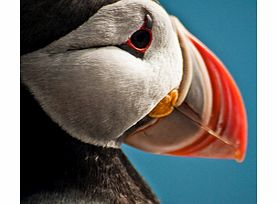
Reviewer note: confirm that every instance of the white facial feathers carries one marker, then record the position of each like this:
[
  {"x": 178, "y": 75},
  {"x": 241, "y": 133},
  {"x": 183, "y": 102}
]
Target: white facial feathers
[{"x": 96, "y": 94}]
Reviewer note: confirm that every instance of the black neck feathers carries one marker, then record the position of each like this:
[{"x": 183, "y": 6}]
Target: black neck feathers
[{"x": 56, "y": 168}]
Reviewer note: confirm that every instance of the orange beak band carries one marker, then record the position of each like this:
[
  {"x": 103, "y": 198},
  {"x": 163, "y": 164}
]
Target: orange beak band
[{"x": 205, "y": 117}]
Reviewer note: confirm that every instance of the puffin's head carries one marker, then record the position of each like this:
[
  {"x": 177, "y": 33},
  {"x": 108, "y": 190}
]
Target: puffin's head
[{"x": 128, "y": 72}]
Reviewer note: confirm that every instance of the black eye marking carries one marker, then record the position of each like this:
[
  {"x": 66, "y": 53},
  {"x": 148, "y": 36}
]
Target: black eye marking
[{"x": 139, "y": 42}]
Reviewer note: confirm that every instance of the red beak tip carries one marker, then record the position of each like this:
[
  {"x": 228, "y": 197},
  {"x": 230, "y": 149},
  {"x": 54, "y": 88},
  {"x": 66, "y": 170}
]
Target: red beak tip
[{"x": 239, "y": 156}]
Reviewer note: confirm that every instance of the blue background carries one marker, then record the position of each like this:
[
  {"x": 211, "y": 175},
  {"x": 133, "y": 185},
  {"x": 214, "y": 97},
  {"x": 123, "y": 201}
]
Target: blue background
[{"x": 228, "y": 27}]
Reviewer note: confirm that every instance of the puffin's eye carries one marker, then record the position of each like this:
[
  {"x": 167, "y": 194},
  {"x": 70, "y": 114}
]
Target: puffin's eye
[{"x": 139, "y": 41}]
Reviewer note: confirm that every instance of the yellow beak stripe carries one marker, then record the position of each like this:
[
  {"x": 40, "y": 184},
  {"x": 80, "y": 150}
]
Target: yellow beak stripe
[{"x": 165, "y": 106}]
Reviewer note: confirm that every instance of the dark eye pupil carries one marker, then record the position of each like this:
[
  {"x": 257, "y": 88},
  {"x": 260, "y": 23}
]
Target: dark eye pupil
[{"x": 140, "y": 39}]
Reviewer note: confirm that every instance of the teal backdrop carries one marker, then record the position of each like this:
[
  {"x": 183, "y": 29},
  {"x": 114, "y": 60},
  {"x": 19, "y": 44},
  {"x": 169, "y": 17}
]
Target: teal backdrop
[{"x": 228, "y": 28}]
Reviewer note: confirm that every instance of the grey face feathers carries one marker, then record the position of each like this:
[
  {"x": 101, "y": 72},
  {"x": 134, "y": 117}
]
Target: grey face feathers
[{"x": 93, "y": 89}]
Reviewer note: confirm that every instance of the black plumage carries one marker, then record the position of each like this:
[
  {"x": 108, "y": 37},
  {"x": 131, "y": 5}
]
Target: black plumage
[
  {"x": 43, "y": 21},
  {"x": 56, "y": 168}
]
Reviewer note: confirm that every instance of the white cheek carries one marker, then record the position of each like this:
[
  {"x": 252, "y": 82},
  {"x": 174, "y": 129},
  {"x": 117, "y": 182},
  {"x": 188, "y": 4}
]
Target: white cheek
[
  {"x": 96, "y": 94},
  {"x": 168, "y": 66}
]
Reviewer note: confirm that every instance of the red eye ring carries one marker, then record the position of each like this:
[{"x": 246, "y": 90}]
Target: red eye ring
[
  {"x": 144, "y": 36},
  {"x": 141, "y": 40}
]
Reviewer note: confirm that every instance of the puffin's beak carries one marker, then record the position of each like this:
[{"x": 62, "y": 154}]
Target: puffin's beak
[{"x": 204, "y": 117}]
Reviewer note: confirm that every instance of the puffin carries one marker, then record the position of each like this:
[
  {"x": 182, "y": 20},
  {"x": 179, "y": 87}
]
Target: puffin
[{"x": 99, "y": 73}]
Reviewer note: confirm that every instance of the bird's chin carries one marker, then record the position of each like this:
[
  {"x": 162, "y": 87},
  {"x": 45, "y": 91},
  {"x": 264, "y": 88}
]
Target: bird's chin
[{"x": 205, "y": 117}]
